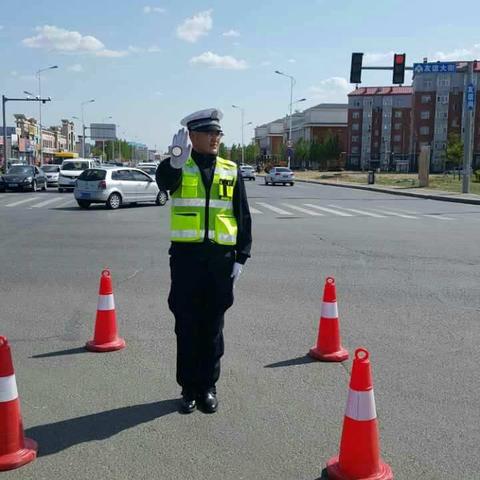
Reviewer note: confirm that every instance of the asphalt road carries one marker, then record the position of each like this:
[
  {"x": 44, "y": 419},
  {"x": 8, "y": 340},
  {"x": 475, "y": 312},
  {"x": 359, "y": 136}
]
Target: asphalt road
[{"x": 407, "y": 283}]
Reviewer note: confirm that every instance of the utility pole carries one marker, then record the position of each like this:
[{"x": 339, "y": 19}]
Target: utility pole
[
  {"x": 40, "y": 107},
  {"x": 242, "y": 110},
  {"x": 83, "y": 126},
  {"x": 469, "y": 107}
]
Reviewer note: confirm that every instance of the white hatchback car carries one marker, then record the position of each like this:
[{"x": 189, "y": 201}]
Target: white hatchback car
[{"x": 115, "y": 186}]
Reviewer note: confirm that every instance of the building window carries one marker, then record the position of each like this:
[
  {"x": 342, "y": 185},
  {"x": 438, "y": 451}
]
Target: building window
[
  {"x": 376, "y": 132},
  {"x": 397, "y": 126},
  {"x": 425, "y": 114},
  {"x": 356, "y": 115},
  {"x": 442, "y": 115},
  {"x": 440, "y": 130},
  {"x": 424, "y": 130},
  {"x": 427, "y": 84},
  {"x": 426, "y": 98},
  {"x": 440, "y": 145},
  {"x": 397, "y": 138},
  {"x": 358, "y": 103},
  {"x": 355, "y": 138},
  {"x": 442, "y": 99},
  {"x": 454, "y": 123},
  {"x": 355, "y": 150},
  {"x": 375, "y": 144},
  {"x": 443, "y": 82},
  {"x": 355, "y": 126},
  {"x": 398, "y": 114}
]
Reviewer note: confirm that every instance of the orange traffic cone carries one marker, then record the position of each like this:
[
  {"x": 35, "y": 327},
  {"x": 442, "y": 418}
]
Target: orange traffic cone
[
  {"x": 359, "y": 457},
  {"x": 105, "y": 338},
  {"x": 15, "y": 449},
  {"x": 329, "y": 348}
]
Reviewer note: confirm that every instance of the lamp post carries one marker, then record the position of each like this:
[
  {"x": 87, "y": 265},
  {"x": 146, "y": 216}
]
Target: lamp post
[
  {"x": 83, "y": 126},
  {"x": 242, "y": 110},
  {"x": 292, "y": 83},
  {"x": 53, "y": 67}
]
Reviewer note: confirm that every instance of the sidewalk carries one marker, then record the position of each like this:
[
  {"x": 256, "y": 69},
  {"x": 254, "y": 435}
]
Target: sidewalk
[{"x": 426, "y": 193}]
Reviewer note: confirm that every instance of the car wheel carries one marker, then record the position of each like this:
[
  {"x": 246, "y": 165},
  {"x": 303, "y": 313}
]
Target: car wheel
[
  {"x": 44, "y": 186},
  {"x": 161, "y": 199},
  {"x": 34, "y": 186},
  {"x": 83, "y": 203},
  {"x": 60, "y": 190},
  {"x": 114, "y": 201}
]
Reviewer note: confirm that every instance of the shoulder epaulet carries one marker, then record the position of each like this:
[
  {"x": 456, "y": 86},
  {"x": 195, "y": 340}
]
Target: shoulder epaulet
[{"x": 228, "y": 162}]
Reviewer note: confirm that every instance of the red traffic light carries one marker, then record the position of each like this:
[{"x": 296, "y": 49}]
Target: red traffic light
[{"x": 399, "y": 58}]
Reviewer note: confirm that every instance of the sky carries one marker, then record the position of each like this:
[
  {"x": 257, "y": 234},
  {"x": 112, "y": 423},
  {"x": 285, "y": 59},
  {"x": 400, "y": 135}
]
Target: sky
[{"x": 147, "y": 64}]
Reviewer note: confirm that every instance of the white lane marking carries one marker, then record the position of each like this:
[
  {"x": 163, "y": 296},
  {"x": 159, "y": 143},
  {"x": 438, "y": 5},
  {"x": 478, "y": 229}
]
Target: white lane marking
[
  {"x": 274, "y": 209},
  {"x": 438, "y": 217},
  {"x": 303, "y": 210},
  {"x": 47, "y": 202},
  {"x": 31, "y": 199},
  {"x": 360, "y": 212},
  {"x": 64, "y": 204},
  {"x": 411, "y": 212},
  {"x": 395, "y": 214},
  {"x": 329, "y": 210},
  {"x": 254, "y": 210}
]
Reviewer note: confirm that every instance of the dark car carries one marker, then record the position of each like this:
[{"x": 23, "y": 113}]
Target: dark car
[{"x": 23, "y": 177}]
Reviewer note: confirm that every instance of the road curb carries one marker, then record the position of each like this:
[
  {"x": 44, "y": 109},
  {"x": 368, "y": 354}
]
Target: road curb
[{"x": 426, "y": 196}]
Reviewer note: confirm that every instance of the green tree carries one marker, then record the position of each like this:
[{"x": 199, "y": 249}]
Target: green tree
[
  {"x": 222, "y": 151},
  {"x": 454, "y": 150},
  {"x": 235, "y": 153},
  {"x": 301, "y": 151}
]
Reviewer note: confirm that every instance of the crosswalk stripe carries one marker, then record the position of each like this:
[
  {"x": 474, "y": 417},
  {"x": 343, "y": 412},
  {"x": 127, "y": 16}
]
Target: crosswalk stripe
[
  {"x": 254, "y": 210},
  {"x": 21, "y": 201},
  {"x": 303, "y": 210},
  {"x": 438, "y": 217},
  {"x": 64, "y": 204},
  {"x": 274, "y": 209},
  {"x": 410, "y": 212},
  {"x": 360, "y": 212},
  {"x": 329, "y": 210},
  {"x": 394, "y": 214},
  {"x": 47, "y": 202}
]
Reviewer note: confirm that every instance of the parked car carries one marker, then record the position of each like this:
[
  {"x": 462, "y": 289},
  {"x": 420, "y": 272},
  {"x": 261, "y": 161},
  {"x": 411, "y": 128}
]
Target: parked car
[
  {"x": 51, "y": 172},
  {"x": 280, "y": 175},
  {"x": 23, "y": 177},
  {"x": 247, "y": 172},
  {"x": 71, "y": 170},
  {"x": 116, "y": 186}
]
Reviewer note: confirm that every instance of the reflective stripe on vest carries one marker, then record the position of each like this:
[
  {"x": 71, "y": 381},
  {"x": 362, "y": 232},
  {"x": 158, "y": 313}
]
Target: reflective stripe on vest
[
  {"x": 8, "y": 389},
  {"x": 189, "y": 203},
  {"x": 361, "y": 405}
]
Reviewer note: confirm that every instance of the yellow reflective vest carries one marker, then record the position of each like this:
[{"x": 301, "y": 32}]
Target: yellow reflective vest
[{"x": 194, "y": 217}]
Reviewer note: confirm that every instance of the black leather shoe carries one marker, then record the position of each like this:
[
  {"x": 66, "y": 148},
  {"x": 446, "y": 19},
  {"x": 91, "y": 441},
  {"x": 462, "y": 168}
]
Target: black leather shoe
[
  {"x": 188, "y": 404},
  {"x": 208, "y": 402}
]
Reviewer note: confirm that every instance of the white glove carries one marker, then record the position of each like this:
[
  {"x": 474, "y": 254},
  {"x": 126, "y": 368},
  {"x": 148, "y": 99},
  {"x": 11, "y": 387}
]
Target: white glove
[
  {"x": 237, "y": 270},
  {"x": 179, "y": 150}
]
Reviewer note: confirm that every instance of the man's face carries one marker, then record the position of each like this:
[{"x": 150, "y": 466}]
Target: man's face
[{"x": 207, "y": 143}]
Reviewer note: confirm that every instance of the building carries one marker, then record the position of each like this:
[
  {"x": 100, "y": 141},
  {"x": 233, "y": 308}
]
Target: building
[
  {"x": 440, "y": 108},
  {"x": 380, "y": 128},
  {"x": 270, "y": 137},
  {"x": 68, "y": 131}
]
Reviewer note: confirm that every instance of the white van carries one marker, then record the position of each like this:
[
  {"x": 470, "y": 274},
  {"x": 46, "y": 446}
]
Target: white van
[{"x": 71, "y": 169}]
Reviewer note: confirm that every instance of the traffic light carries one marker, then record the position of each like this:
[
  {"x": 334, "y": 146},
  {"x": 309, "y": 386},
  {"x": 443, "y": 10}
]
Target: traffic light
[
  {"x": 399, "y": 68},
  {"x": 356, "y": 68}
]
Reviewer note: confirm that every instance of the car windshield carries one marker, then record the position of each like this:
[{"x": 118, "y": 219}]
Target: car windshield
[
  {"x": 20, "y": 169},
  {"x": 75, "y": 166},
  {"x": 50, "y": 168},
  {"x": 282, "y": 169}
]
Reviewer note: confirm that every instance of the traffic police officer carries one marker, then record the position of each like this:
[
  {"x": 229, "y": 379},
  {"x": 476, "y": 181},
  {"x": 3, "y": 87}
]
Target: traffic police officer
[{"x": 211, "y": 240}]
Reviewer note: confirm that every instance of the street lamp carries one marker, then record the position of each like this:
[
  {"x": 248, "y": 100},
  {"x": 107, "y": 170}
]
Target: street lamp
[
  {"x": 103, "y": 140},
  {"x": 53, "y": 67},
  {"x": 83, "y": 126},
  {"x": 292, "y": 83},
  {"x": 242, "y": 110}
]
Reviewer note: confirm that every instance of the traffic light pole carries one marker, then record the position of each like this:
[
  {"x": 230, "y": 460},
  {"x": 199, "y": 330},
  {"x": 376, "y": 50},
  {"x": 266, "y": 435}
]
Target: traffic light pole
[{"x": 4, "y": 101}]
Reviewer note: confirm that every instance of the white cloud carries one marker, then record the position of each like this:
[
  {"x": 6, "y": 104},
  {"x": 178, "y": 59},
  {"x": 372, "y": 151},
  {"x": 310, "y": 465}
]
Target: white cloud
[
  {"x": 14, "y": 73},
  {"x": 212, "y": 60},
  {"x": 148, "y": 9},
  {"x": 231, "y": 33},
  {"x": 378, "y": 59},
  {"x": 60, "y": 40},
  {"x": 153, "y": 49},
  {"x": 195, "y": 27},
  {"x": 333, "y": 89},
  {"x": 75, "y": 68},
  {"x": 459, "y": 54}
]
